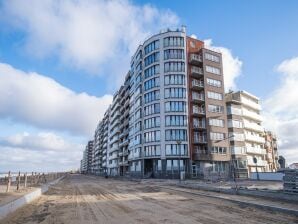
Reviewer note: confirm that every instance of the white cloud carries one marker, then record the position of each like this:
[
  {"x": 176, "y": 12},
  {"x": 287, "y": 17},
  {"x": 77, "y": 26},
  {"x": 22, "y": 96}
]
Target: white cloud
[
  {"x": 44, "y": 151},
  {"x": 87, "y": 34},
  {"x": 231, "y": 65},
  {"x": 42, "y": 102},
  {"x": 281, "y": 110}
]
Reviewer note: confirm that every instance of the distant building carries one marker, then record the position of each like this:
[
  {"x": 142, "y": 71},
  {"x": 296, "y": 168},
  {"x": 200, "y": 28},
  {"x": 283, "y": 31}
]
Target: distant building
[
  {"x": 271, "y": 151},
  {"x": 86, "y": 162},
  {"x": 294, "y": 166}
]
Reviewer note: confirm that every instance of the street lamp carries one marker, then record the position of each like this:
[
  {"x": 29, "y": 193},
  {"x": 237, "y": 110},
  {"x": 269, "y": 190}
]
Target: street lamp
[
  {"x": 179, "y": 148},
  {"x": 256, "y": 162}
]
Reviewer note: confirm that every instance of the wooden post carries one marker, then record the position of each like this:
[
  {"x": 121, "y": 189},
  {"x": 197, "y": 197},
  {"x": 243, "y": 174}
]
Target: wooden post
[
  {"x": 8, "y": 182},
  {"x": 19, "y": 181},
  {"x": 25, "y": 180}
]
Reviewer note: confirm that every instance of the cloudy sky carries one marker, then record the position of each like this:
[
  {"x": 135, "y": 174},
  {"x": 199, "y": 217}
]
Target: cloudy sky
[{"x": 61, "y": 61}]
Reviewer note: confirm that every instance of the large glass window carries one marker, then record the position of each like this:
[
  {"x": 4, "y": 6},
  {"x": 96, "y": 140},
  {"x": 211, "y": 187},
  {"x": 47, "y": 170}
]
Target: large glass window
[
  {"x": 152, "y": 150},
  {"x": 173, "y": 150},
  {"x": 151, "y": 83},
  {"x": 151, "y": 47},
  {"x": 200, "y": 137},
  {"x": 174, "y": 67},
  {"x": 175, "y": 106},
  {"x": 213, "y": 82},
  {"x": 199, "y": 123},
  {"x": 211, "y": 57},
  {"x": 153, "y": 70},
  {"x": 151, "y": 96},
  {"x": 216, "y": 122},
  {"x": 176, "y": 120},
  {"x": 152, "y": 136},
  {"x": 217, "y": 136},
  {"x": 213, "y": 70},
  {"x": 174, "y": 54},
  {"x": 218, "y": 166},
  {"x": 214, "y": 95},
  {"x": 235, "y": 124},
  {"x": 234, "y": 110},
  {"x": 173, "y": 42},
  {"x": 175, "y": 80},
  {"x": 152, "y": 109},
  {"x": 215, "y": 108},
  {"x": 175, "y": 93},
  {"x": 152, "y": 122},
  {"x": 176, "y": 135},
  {"x": 218, "y": 150},
  {"x": 151, "y": 58}
]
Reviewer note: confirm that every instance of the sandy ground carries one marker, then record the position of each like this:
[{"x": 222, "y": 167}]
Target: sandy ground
[
  {"x": 13, "y": 194},
  {"x": 87, "y": 199}
]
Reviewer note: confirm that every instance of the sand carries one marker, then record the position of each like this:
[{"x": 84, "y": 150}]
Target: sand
[{"x": 88, "y": 199}]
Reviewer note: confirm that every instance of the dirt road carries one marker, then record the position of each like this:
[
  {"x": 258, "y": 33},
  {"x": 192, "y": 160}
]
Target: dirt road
[{"x": 87, "y": 199}]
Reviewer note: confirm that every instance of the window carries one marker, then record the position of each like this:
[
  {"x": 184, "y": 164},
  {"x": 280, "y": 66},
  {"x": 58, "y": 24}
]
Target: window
[
  {"x": 173, "y": 150},
  {"x": 213, "y": 70},
  {"x": 151, "y": 96},
  {"x": 138, "y": 102},
  {"x": 152, "y": 136},
  {"x": 235, "y": 124},
  {"x": 139, "y": 67},
  {"x": 174, "y": 67},
  {"x": 213, "y": 82},
  {"x": 175, "y": 80},
  {"x": 174, "y": 54},
  {"x": 215, "y": 108},
  {"x": 152, "y": 122},
  {"x": 236, "y": 136},
  {"x": 217, "y": 136},
  {"x": 175, "y": 93},
  {"x": 151, "y": 47},
  {"x": 138, "y": 126},
  {"x": 214, "y": 95},
  {"x": 173, "y": 165},
  {"x": 211, "y": 57},
  {"x": 151, "y": 83},
  {"x": 176, "y": 120},
  {"x": 152, "y": 150},
  {"x": 138, "y": 90},
  {"x": 153, "y": 70},
  {"x": 173, "y": 42},
  {"x": 151, "y": 58},
  {"x": 218, "y": 166},
  {"x": 176, "y": 135},
  {"x": 137, "y": 139},
  {"x": 152, "y": 109},
  {"x": 138, "y": 114},
  {"x": 175, "y": 106},
  {"x": 138, "y": 79},
  {"x": 197, "y": 96},
  {"x": 199, "y": 123},
  {"x": 219, "y": 150},
  {"x": 216, "y": 122}
]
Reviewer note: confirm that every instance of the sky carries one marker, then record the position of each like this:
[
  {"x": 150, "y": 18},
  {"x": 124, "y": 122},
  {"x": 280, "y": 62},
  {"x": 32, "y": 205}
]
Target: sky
[{"x": 61, "y": 62}]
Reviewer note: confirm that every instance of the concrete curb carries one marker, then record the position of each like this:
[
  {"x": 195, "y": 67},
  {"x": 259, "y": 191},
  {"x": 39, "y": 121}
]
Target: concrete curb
[
  {"x": 25, "y": 199},
  {"x": 245, "y": 203}
]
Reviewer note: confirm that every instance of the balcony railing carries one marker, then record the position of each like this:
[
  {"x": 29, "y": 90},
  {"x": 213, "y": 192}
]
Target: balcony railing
[
  {"x": 199, "y": 125},
  {"x": 250, "y": 114},
  {"x": 254, "y": 138},
  {"x": 199, "y": 111},
  {"x": 196, "y": 70},
  {"x": 254, "y": 150},
  {"x": 199, "y": 97},
  {"x": 250, "y": 103},
  {"x": 253, "y": 126},
  {"x": 194, "y": 58},
  {"x": 238, "y": 150},
  {"x": 200, "y": 139},
  {"x": 198, "y": 84}
]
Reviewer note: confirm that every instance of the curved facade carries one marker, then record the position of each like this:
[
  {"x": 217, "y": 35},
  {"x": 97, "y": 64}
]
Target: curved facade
[{"x": 158, "y": 117}]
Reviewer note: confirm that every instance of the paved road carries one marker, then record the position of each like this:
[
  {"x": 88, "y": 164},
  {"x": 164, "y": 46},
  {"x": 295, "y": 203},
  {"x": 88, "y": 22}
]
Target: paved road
[{"x": 88, "y": 199}]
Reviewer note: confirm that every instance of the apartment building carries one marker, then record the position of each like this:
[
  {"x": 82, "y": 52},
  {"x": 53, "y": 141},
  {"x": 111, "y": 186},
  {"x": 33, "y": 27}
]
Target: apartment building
[
  {"x": 271, "y": 150},
  {"x": 86, "y": 162},
  {"x": 210, "y": 154},
  {"x": 246, "y": 133},
  {"x": 171, "y": 114}
]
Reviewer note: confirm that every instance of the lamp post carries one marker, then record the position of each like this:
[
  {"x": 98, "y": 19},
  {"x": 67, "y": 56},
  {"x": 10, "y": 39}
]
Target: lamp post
[
  {"x": 179, "y": 148},
  {"x": 256, "y": 162}
]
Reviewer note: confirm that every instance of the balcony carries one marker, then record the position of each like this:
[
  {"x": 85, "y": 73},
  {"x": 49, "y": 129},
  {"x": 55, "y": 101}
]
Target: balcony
[
  {"x": 238, "y": 150},
  {"x": 198, "y": 97},
  {"x": 200, "y": 140},
  {"x": 250, "y": 162},
  {"x": 200, "y": 125},
  {"x": 114, "y": 148},
  {"x": 253, "y": 126},
  {"x": 250, "y": 103},
  {"x": 195, "y": 59},
  {"x": 124, "y": 143},
  {"x": 254, "y": 138},
  {"x": 198, "y": 112},
  {"x": 196, "y": 71},
  {"x": 254, "y": 150},
  {"x": 251, "y": 115},
  {"x": 201, "y": 155},
  {"x": 196, "y": 84}
]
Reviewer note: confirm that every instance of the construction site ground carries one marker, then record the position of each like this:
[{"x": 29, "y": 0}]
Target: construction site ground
[{"x": 89, "y": 199}]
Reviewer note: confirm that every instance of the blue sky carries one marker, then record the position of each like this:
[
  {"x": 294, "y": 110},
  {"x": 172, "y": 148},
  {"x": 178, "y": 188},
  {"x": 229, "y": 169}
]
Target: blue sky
[{"x": 259, "y": 36}]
